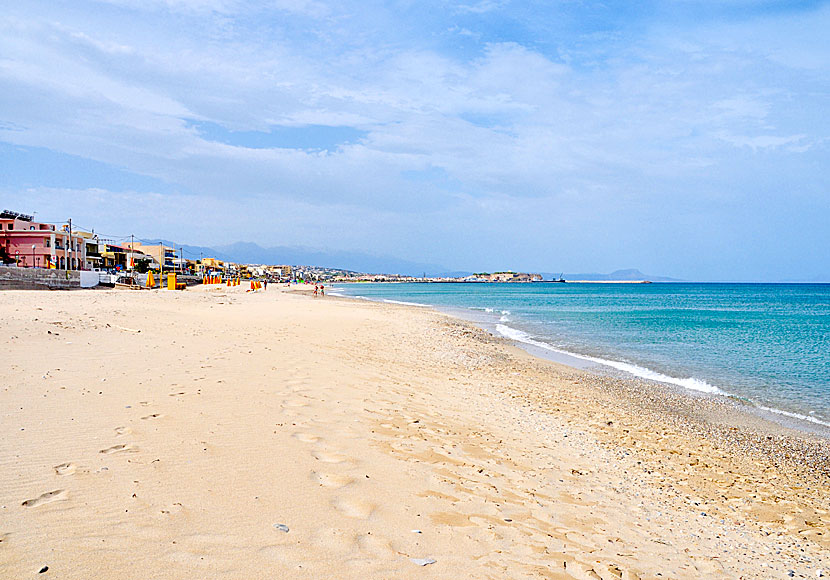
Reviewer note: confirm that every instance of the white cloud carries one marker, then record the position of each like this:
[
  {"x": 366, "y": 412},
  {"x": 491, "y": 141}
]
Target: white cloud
[
  {"x": 309, "y": 7},
  {"x": 767, "y": 141},
  {"x": 497, "y": 124},
  {"x": 481, "y": 7}
]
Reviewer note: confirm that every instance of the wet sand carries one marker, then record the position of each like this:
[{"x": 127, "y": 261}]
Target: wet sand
[{"x": 169, "y": 434}]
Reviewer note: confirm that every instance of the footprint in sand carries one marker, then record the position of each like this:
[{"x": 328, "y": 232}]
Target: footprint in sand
[
  {"x": 65, "y": 468},
  {"x": 48, "y": 497},
  {"x": 353, "y": 507},
  {"x": 294, "y": 403},
  {"x": 287, "y": 554},
  {"x": 124, "y": 447},
  {"x": 335, "y": 540},
  {"x": 596, "y": 571},
  {"x": 376, "y": 546},
  {"x": 172, "y": 509},
  {"x": 152, "y": 416},
  {"x": 176, "y": 394},
  {"x": 306, "y": 437},
  {"x": 119, "y": 431},
  {"x": 328, "y": 457},
  {"x": 332, "y": 480}
]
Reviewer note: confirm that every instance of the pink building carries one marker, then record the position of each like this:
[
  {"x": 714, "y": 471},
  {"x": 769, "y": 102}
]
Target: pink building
[{"x": 33, "y": 244}]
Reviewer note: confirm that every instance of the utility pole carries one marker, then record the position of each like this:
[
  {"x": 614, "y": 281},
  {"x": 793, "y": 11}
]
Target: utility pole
[
  {"x": 132, "y": 252},
  {"x": 161, "y": 265},
  {"x": 181, "y": 260},
  {"x": 69, "y": 258}
]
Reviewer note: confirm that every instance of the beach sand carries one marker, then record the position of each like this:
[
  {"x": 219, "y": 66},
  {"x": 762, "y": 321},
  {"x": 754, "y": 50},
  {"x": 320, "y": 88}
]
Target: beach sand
[{"x": 169, "y": 434}]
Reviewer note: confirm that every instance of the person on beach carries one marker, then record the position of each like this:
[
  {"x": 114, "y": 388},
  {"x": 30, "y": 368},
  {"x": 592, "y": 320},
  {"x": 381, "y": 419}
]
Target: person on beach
[
  {"x": 315, "y": 289},
  {"x": 265, "y": 284},
  {"x": 322, "y": 290}
]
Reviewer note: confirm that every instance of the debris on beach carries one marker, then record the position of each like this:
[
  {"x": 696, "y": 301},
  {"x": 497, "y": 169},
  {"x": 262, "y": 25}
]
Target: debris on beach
[
  {"x": 423, "y": 561},
  {"x": 281, "y": 527},
  {"x": 416, "y": 531},
  {"x": 136, "y": 330}
]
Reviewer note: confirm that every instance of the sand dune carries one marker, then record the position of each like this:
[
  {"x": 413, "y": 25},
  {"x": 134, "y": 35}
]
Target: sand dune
[{"x": 215, "y": 433}]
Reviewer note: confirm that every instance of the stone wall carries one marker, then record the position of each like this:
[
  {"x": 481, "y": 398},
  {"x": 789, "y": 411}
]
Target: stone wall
[{"x": 12, "y": 278}]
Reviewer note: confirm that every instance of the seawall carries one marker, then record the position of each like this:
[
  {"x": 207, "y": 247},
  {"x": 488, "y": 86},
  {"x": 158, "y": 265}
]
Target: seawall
[{"x": 12, "y": 278}]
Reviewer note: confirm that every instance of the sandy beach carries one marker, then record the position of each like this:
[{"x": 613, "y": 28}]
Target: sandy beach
[{"x": 214, "y": 433}]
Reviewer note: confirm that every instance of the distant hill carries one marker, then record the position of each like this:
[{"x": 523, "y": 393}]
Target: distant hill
[
  {"x": 250, "y": 253},
  {"x": 628, "y": 274},
  {"x": 191, "y": 252},
  {"x": 355, "y": 261}
]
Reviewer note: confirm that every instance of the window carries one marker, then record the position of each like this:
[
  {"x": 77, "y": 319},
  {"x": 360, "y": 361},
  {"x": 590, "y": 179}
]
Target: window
[
  {"x": 10, "y": 227},
  {"x": 46, "y": 242}
]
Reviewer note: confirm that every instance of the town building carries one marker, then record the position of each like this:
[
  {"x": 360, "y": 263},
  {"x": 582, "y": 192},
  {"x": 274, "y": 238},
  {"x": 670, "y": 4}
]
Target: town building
[
  {"x": 213, "y": 265},
  {"x": 31, "y": 244},
  {"x": 93, "y": 248},
  {"x": 279, "y": 272},
  {"x": 160, "y": 253}
]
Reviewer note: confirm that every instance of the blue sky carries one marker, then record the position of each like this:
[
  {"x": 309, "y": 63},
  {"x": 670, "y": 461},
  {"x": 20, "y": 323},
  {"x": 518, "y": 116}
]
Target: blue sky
[{"x": 684, "y": 138}]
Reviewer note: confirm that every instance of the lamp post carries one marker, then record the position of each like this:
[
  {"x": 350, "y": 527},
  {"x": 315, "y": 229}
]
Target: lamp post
[
  {"x": 17, "y": 258},
  {"x": 33, "y": 256}
]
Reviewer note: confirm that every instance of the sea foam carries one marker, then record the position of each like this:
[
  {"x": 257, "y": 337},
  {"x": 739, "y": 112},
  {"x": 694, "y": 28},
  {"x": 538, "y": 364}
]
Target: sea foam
[
  {"x": 388, "y": 301},
  {"x": 636, "y": 370}
]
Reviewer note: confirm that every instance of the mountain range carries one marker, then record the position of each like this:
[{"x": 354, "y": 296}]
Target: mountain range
[
  {"x": 629, "y": 274},
  {"x": 251, "y": 253}
]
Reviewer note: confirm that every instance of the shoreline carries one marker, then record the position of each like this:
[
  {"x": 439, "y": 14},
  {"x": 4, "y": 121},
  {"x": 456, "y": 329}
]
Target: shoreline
[
  {"x": 703, "y": 410},
  {"x": 780, "y": 417},
  {"x": 169, "y": 435}
]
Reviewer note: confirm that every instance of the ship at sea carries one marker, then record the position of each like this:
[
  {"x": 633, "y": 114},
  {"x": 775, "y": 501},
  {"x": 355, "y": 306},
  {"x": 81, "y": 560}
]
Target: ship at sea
[{"x": 559, "y": 278}]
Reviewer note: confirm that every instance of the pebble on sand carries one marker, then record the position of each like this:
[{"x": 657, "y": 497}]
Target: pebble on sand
[{"x": 423, "y": 561}]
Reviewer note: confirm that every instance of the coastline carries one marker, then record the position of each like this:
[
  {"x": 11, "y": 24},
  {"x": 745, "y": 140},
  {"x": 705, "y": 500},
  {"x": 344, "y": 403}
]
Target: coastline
[
  {"x": 490, "y": 320},
  {"x": 710, "y": 414},
  {"x": 354, "y": 423}
]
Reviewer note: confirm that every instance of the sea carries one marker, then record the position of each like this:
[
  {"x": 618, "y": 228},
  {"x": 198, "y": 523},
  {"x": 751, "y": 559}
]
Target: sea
[{"x": 765, "y": 344}]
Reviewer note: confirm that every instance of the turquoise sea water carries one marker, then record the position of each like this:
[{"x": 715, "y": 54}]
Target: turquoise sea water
[{"x": 766, "y": 343}]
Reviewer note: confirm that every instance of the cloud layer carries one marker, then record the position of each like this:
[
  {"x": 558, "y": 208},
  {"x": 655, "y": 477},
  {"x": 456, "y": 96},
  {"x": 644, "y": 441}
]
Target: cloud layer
[{"x": 478, "y": 134}]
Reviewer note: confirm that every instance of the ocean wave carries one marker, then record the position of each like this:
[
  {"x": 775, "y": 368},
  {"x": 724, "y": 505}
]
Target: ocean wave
[
  {"x": 636, "y": 370},
  {"x": 792, "y": 415},
  {"x": 642, "y": 372},
  {"x": 387, "y": 300}
]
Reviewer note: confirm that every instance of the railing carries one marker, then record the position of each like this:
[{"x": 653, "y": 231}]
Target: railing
[{"x": 105, "y": 278}]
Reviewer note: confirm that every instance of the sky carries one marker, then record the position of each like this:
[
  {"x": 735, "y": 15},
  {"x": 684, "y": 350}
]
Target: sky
[{"x": 684, "y": 138}]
